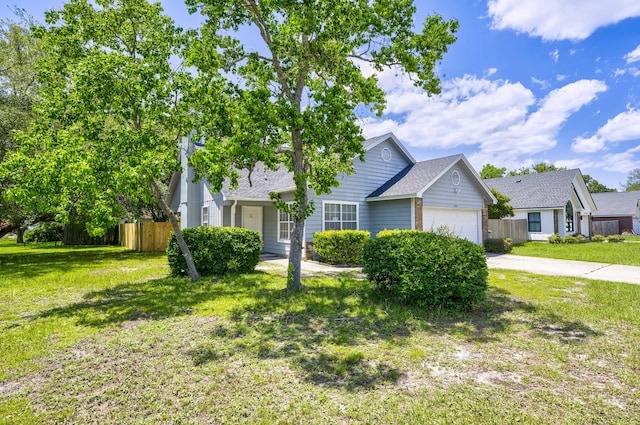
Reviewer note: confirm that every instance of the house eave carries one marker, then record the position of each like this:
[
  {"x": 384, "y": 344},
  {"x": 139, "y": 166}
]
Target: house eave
[{"x": 391, "y": 198}]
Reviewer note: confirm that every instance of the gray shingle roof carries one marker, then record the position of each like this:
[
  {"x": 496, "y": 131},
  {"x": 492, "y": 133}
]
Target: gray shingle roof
[
  {"x": 263, "y": 182},
  {"x": 540, "y": 190},
  {"x": 616, "y": 203},
  {"x": 415, "y": 177}
]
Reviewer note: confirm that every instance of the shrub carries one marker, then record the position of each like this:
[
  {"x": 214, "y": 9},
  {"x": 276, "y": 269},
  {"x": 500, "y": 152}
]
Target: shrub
[
  {"x": 597, "y": 238},
  {"x": 427, "y": 269},
  {"x": 498, "y": 245},
  {"x": 570, "y": 239},
  {"x": 580, "y": 238},
  {"x": 45, "y": 232},
  {"x": 615, "y": 238},
  {"x": 340, "y": 246},
  {"x": 555, "y": 239},
  {"x": 216, "y": 250}
]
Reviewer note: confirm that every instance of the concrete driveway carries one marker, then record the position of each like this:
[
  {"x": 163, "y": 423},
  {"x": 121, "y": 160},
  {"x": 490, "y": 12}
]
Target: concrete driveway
[
  {"x": 553, "y": 267},
  {"x": 546, "y": 266}
]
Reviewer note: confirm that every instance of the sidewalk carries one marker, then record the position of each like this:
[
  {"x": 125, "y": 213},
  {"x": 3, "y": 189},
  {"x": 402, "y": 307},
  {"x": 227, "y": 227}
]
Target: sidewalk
[
  {"x": 546, "y": 266},
  {"x": 550, "y": 266}
]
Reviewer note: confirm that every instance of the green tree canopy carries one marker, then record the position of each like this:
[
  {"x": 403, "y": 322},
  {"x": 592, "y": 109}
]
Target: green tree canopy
[
  {"x": 492, "y": 172},
  {"x": 501, "y": 208},
  {"x": 19, "y": 52},
  {"x": 296, "y": 93},
  {"x": 111, "y": 113},
  {"x": 633, "y": 180},
  {"x": 542, "y": 167},
  {"x": 595, "y": 186}
]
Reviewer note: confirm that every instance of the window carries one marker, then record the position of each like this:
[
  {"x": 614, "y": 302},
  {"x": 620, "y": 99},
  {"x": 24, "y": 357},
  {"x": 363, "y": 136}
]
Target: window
[
  {"x": 343, "y": 216},
  {"x": 285, "y": 226},
  {"x": 569, "y": 215},
  {"x": 205, "y": 216},
  {"x": 535, "y": 224}
]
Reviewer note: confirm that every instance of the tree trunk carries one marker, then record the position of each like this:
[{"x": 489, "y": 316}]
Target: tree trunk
[
  {"x": 7, "y": 229},
  {"x": 300, "y": 197},
  {"x": 157, "y": 194},
  {"x": 20, "y": 234}
]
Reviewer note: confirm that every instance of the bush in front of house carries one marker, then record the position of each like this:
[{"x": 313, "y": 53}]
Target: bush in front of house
[
  {"x": 555, "y": 239},
  {"x": 580, "y": 238},
  {"x": 427, "y": 269},
  {"x": 45, "y": 232},
  {"x": 570, "y": 239},
  {"x": 598, "y": 238},
  {"x": 615, "y": 238},
  {"x": 216, "y": 250},
  {"x": 498, "y": 245},
  {"x": 340, "y": 246}
]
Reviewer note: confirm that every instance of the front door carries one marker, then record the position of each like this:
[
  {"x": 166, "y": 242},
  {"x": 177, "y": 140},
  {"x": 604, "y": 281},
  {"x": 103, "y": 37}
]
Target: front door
[{"x": 252, "y": 218}]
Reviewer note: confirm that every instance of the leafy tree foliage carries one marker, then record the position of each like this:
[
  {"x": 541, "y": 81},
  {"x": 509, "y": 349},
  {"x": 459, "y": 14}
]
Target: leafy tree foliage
[
  {"x": 542, "y": 167},
  {"x": 501, "y": 208},
  {"x": 595, "y": 186},
  {"x": 633, "y": 180},
  {"x": 111, "y": 113},
  {"x": 19, "y": 53},
  {"x": 295, "y": 94},
  {"x": 492, "y": 172}
]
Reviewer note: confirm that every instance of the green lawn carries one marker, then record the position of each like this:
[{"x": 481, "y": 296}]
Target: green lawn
[
  {"x": 101, "y": 335},
  {"x": 627, "y": 253}
]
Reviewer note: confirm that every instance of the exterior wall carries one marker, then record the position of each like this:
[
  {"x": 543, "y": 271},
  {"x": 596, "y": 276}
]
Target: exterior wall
[
  {"x": 444, "y": 194},
  {"x": 394, "y": 214},
  {"x": 547, "y": 223},
  {"x": 367, "y": 177},
  {"x": 214, "y": 203},
  {"x": 417, "y": 213}
]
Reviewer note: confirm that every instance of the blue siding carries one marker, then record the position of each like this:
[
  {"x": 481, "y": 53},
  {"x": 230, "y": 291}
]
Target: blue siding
[
  {"x": 394, "y": 214},
  {"x": 368, "y": 176},
  {"x": 443, "y": 193}
]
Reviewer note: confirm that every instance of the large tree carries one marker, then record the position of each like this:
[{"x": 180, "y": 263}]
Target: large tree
[
  {"x": 19, "y": 53},
  {"x": 296, "y": 90},
  {"x": 633, "y": 180},
  {"x": 501, "y": 208},
  {"x": 492, "y": 172},
  {"x": 111, "y": 113},
  {"x": 594, "y": 185}
]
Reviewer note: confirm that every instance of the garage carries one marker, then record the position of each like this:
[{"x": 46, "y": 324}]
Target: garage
[{"x": 463, "y": 223}]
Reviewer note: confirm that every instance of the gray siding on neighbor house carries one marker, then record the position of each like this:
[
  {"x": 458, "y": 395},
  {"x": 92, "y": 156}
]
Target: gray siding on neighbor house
[
  {"x": 213, "y": 202},
  {"x": 390, "y": 215},
  {"x": 443, "y": 194},
  {"x": 368, "y": 176}
]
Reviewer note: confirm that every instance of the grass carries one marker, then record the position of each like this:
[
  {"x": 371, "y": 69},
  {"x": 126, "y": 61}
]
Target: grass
[
  {"x": 101, "y": 335},
  {"x": 626, "y": 253}
]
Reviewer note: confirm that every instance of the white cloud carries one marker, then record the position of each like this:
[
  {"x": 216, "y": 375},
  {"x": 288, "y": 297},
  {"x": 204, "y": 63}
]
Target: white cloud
[
  {"x": 621, "y": 128},
  {"x": 555, "y": 55},
  {"x": 542, "y": 83},
  {"x": 561, "y": 77},
  {"x": 559, "y": 19},
  {"x": 633, "y": 56},
  {"x": 502, "y": 118},
  {"x": 491, "y": 71}
]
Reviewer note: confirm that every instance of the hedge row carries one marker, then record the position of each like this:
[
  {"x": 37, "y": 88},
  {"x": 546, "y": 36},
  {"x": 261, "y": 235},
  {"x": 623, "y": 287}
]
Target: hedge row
[{"x": 340, "y": 246}]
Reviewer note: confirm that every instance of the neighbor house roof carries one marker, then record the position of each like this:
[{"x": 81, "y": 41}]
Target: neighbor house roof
[
  {"x": 616, "y": 203},
  {"x": 537, "y": 191}
]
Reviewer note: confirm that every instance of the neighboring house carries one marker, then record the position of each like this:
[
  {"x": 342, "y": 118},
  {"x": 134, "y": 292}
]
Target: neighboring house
[
  {"x": 389, "y": 190},
  {"x": 551, "y": 202},
  {"x": 622, "y": 207}
]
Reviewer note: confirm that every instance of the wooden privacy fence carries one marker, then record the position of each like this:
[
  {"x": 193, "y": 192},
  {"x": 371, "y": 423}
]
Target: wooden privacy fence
[
  {"x": 145, "y": 237},
  {"x": 514, "y": 229},
  {"x": 605, "y": 228}
]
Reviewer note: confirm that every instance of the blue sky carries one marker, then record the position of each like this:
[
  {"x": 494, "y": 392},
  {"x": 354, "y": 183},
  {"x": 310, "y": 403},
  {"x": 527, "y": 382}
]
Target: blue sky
[{"x": 527, "y": 81}]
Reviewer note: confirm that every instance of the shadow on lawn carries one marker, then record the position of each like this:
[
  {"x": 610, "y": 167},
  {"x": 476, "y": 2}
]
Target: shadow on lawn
[
  {"x": 324, "y": 332},
  {"x": 32, "y": 262}
]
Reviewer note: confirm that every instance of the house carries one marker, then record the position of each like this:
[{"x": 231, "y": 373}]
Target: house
[
  {"x": 622, "y": 208},
  {"x": 551, "y": 202},
  {"x": 388, "y": 190}
]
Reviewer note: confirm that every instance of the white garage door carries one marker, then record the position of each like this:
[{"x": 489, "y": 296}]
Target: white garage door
[{"x": 463, "y": 223}]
